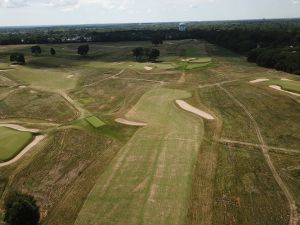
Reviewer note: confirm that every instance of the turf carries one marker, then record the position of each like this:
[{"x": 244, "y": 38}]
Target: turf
[
  {"x": 154, "y": 166},
  {"x": 95, "y": 121},
  {"x": 293, "y": 86},
  {"x": 12, "y": 142}
]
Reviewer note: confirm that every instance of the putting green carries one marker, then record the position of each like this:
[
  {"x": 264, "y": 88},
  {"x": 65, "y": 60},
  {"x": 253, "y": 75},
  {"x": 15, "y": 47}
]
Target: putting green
[
  {"x": 148, "y": 182},
  {"x": 95, "y": 121},
  {"x": 12, "y": 142},
  {"x": 293, "y": 86}
]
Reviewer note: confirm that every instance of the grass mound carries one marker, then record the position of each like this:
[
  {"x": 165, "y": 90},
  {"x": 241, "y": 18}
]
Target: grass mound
[{"x": 12, "y": 142}]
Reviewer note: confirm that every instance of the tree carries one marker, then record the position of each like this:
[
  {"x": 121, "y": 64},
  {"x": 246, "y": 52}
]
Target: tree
[
  {"x": 138, "y": 53},
  {"x": 157, "y": 41},
  {"x": 36, "y": 50},
  {"x": 154, "y": 54},
  {"x": 21, "y": 209},
  {"x": 17, "y": 58},
  {"x": 83, "y": 50},
  {"x": 52, "y": 51}
]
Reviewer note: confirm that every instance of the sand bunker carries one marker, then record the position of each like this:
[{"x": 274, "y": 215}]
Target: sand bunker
[
  {"x": 148, "y": 68},
  {"x": 130, "y": 123},
  {"x": 258, "y": 80},
  {"x": 276, "y": 87},
  {"x": 70, "y": 76},
  {"x": 285, "y": 79},
  {"x": 188, "y": 60},
  {"x": 18, "y": 127},
  {"x": 184, "y": 105},
  {"x": 35, "y": 141}
]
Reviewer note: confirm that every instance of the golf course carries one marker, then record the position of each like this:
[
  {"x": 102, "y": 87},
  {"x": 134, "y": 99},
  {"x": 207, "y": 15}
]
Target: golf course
[{"x": 198, "y": 136}]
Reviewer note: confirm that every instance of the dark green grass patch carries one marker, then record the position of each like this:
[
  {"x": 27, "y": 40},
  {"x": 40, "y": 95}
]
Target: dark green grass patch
[
  {"x": 12, "y": 142},
  {"x": 95, "y": 121}
]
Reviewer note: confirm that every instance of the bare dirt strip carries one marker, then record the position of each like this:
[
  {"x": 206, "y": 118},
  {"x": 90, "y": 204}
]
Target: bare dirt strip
[
  {"x": 18, "y": 127},
  {"x": 265, "y": 151},
  {"x": 284, "y": 150}
]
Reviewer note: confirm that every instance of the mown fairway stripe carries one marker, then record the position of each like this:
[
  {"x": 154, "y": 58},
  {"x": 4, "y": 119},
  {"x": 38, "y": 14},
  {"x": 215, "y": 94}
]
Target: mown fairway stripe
[{"x": 149, "y": 180}]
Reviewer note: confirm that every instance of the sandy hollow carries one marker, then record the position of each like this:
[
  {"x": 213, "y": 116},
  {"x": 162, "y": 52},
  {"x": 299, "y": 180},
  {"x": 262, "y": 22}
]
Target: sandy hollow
[
  {"x": 35, "y": 141},
  {"x": 285, "y": 79},
  {"x": 130, "y": 123},
  {"x": 70, "y": 76},
  {"x": 148, "y": 68},
  {"x": 258, "y": 80},
  {"x": 18, "y": 127},
  {"x": 276, "y": 87},
  {"x": 187, "y": 107}
]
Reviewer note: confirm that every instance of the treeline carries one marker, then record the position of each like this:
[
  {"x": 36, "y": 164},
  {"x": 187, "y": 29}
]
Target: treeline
[
  {"x": 278, "y": 49},
  {"x": 273, "y": 44}
]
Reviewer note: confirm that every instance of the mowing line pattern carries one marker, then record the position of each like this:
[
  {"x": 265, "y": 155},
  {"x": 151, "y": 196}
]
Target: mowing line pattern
[{"x": 149, "y": 181}]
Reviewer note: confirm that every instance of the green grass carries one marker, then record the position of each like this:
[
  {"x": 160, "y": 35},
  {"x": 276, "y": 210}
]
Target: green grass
[
  {"x": 95, "y": 121},
  {"x": 46, "y": 79},
  {"x": 293, "y": 86},
  {"x": 153, "y": 167},
  {"x": 12, "y": 142}
]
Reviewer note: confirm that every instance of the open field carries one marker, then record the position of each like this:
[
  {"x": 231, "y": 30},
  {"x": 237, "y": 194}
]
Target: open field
[
  {"x": 12, "y": 142},
  {"x": 238, "y": 166}
]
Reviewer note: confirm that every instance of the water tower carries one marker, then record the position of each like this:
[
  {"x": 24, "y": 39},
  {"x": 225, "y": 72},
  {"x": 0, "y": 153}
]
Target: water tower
[{"x": 182, "y": 27}]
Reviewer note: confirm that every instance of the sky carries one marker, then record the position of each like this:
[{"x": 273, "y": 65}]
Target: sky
[{"x": 57, "y": 12}]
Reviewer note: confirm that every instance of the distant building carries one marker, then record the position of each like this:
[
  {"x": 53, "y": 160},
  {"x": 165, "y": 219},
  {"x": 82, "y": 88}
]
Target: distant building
[{"x": 182, "y": 27}]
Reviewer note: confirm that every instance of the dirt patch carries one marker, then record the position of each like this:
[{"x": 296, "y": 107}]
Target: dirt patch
[
  {"x": 278, "y": 88},
  {"x": 285, "y": 79},
  {"x": 130, "y": 123},
  {"x": 259, "y": 80},
  {"x": 187, "y": 107}
]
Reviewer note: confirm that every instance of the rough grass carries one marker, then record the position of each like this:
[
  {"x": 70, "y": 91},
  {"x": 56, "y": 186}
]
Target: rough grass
[
  {"x": 155, "y": 165},
  {"x": 245, "y": 190},
  {"x": 33, "y": 104},
  {"x": 58, "y": 168},
  {"x": 12, "y": 142}
]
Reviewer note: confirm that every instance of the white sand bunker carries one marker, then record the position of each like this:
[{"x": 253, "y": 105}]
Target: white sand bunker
[
  {"x": 18, "y": 127},
  {"x": 276, "y": 87},
  {"x": 70, "y": 76},
  {"x": 285, "y": 79},
  {"x": 148, "y": 68},
  {"x": 259, "y": 80},
  {"x": 188, "y": 60},
  {"x": 22, "y": 86},
  {"x": 184, "y": 105},
  {"x": 35, "y": 141},
  {"x": 130, "y": 123}
]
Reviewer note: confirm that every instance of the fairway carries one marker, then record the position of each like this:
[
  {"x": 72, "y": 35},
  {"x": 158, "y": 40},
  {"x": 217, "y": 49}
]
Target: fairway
[
  {"x": 140, "y": 185},
  {"x": 12, "y": 142},
  {"x": 95, "y": 121}
]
